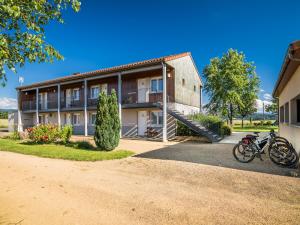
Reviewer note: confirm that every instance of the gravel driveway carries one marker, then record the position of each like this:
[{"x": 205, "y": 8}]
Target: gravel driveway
[{"x": 146, "y": 189}]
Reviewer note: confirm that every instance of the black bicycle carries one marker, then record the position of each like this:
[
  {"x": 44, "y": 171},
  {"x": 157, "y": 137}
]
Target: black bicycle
[{"x": 280, "y": 150}]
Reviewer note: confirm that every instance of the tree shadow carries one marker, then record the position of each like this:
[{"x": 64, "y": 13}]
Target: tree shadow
[{"x": 216, "y": 155}]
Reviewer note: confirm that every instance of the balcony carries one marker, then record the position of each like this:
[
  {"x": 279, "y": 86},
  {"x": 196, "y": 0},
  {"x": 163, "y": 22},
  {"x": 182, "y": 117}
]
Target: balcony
[
  {"x": 69, "y": 103},
  {"x": 29, "y": 105},
  {"x": 141, "y": 98}
]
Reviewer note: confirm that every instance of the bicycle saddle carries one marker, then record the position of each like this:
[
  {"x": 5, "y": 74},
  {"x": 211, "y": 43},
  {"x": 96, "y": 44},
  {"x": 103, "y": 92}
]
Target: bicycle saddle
[{"x": 257, "y": 133}]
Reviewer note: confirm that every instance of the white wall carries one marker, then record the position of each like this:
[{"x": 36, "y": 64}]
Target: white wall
[{"x": 290, "y": 91}]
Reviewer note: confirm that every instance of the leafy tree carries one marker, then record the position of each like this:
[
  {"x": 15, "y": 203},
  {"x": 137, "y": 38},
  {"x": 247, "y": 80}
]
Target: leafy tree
[
  {"x": 22, "y": 33},
  {"x": 273, "y": 108},
  {"x": 226, "y": 78},
  {"x": 248, "y": 97},
  {"x": 115, "y": 119}
]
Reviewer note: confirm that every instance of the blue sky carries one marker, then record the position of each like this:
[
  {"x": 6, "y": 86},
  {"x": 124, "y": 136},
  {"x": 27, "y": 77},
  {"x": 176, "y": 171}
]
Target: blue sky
[{"x": 108, "y": 33}]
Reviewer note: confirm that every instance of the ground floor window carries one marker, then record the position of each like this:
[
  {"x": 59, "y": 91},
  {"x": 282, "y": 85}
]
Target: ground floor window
[
  {"x": 76, "y": 119},
  {"x": 93, "y": 118},
  {"x": 156, "y": 118},
  {"x": 287, "y": 112},
  {"x": 281, "y": 114},
  {"x": 295, "y": 111}
]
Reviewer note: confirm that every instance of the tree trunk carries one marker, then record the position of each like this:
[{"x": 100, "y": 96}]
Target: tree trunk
[
  {"x": 230, "y": 113},
  {"x": 242, "y": 122}
]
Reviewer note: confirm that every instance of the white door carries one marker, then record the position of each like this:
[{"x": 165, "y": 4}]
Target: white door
[
  {"x": 68, "y": 98},
  {"x": 143, "y": 91},
  {"x": 142, "y": 123}
]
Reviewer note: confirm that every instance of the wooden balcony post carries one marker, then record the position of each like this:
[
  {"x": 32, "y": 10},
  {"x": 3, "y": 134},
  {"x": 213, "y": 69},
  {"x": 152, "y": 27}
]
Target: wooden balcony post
[
  {"x": 85, "y": 109},
  {"x": 58, "y": 106},
  {"x": 37, "y": 107},
  {"x": 20, "y": 125},
  {"x": 120, "y": 100},
  {"x": 164, "y": 71}
]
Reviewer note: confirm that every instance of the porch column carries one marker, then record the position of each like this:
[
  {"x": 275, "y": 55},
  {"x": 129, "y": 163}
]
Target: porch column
[
  {"x": 37, "y": 107},
  {"x": 200, "y": 98},
  {"x": 20, "y": 125},
  {"x": 58, "y": 106},
  {"x": 164, "y": 71},
  {"x": 85, "y": 109},
  {"x": 120, "y": 100}
]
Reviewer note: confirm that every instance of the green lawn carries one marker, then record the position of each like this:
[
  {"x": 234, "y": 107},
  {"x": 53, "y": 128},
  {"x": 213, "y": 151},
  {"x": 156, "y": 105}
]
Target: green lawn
[
  {"x": 251, "y": 128},
  {"x": 72, "y": 152}
]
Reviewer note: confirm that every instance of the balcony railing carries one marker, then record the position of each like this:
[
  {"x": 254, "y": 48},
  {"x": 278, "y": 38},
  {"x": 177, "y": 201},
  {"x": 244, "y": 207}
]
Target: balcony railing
[
  {"x": 28, "y": 105},
  {"x": 142, "y": 95},
  {"x": 70, "y": 102}
]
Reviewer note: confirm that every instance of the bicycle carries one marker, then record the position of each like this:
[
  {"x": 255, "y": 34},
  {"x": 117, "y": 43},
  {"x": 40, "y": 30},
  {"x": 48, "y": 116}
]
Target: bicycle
[{"x": 281, "y": 152}]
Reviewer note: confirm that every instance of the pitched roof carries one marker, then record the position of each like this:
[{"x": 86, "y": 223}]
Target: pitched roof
[
  {"x": 114, "y": 69},
  {"x": 289, "y": 66}
]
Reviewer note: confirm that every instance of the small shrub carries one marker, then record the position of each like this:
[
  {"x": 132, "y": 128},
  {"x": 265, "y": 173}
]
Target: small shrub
[
  {"x": 212, "y": 123},
  {"x": 227, "y": 130},
  {"x": 66, "y": 133},
  {"x": 15, "y": 135},
  {"x": 268, "y": 123},
  {"x": 183, "y": 130},
  {"x": 44, "y": 133},
  {"x": 256, "y": 124},
  {"x": 81, "y": 145}
]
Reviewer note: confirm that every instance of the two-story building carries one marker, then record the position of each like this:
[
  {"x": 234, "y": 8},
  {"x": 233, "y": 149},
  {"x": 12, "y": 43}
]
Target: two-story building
[{"x": 149, "y": 93}]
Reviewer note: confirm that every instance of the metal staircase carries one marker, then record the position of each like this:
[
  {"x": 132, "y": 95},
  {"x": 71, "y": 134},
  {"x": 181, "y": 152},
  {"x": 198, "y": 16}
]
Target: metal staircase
[{"x": 193, "y": 125}]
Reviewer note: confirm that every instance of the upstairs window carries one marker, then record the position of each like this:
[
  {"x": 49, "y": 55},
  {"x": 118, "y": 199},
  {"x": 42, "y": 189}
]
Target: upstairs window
[
  {"x": 75, "y": 94},
  {"x": 195, "y": 89},
  {"x": 183, "y": 82},
  {"x": 156, "y": 118},
  {"x": 95, "y": 90},
  {"x": 157, "y": 85}
]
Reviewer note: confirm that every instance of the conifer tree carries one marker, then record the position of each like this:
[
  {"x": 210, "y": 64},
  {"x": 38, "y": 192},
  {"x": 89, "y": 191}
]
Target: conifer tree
[
  {"x": 115, "y": 119},
  {"x": 103, "y": 132}
]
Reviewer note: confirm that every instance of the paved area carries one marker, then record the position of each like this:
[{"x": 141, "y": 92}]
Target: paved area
[
  {"x": 235, "y": 137},
  {"x": 178, "y": 183}
]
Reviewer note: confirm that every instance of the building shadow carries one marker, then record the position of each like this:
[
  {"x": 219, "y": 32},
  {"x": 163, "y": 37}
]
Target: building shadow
[{"x": 216, "y": 155}]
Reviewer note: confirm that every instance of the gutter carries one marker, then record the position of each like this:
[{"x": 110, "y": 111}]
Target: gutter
[{"x": 288, "y": 58}]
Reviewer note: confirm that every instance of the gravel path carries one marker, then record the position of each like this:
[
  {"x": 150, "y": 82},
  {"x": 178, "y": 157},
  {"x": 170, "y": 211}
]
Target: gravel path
[{"x": 141, "y": 191}]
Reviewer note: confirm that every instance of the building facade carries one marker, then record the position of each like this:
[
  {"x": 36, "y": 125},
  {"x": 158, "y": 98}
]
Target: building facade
[
  {"x": 287, "y": 90},
  {"x": 145, "y": 90}
]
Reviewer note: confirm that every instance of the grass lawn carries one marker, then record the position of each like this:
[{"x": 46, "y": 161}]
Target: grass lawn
[
  {"x": 56, "y": 151},
  {"x": 251, "y": 128},
  {"x": 3, "y": 123}
]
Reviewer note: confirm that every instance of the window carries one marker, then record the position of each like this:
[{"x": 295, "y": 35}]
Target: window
[
  {"x": 195, "y": 88},
  {"x": 157, "y": 85},
  {"x": 281, "y": 113},
  {"x": 298, "y": 110},
  {"x": 95, "y": 90},
  {"x": 75, "y": 119},
  {"x": 295, "y": 111},
  {"x": 156, "y": 118},
  {"x": 183, "y": 82},
  {"x": 93, "y": 118},
  {"x": 287, "y": 112},
  {"x": 75, "y": 94}
]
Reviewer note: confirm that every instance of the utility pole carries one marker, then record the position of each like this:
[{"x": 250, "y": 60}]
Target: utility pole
[{"x": 263, "y": 111}]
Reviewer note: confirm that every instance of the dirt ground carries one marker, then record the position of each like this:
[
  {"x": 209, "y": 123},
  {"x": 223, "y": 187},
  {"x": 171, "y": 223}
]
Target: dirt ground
[{"x": 177, "y": 183}]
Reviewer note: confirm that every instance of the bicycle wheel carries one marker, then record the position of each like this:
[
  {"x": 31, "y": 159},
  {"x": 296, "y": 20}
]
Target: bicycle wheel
[
  {"x": 243, "y": 153},
  {"x": 283, "y": 155}
]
